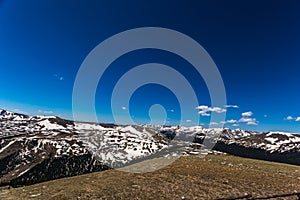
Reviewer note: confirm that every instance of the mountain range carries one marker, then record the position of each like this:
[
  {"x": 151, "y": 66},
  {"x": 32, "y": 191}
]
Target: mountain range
[{"x": 40, "y": 148}]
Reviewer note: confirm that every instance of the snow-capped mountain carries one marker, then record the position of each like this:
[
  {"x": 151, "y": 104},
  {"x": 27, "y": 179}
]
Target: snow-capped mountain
[
  {"x": 272, "y": 141},
  {"x": 39, "y": 148},
  {"x": 272, "y": 146},
  {"x": 47, "y": 147},
  {"x": 119, "y": 145}
]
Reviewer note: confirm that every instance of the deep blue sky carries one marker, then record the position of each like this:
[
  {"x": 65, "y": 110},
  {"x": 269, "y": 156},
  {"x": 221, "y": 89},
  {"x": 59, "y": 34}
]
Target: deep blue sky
[{"x": 255, "y": 44}]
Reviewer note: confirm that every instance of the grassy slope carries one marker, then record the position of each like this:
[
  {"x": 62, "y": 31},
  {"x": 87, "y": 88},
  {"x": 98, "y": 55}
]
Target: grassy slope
[{"x": 214, "y": 176}]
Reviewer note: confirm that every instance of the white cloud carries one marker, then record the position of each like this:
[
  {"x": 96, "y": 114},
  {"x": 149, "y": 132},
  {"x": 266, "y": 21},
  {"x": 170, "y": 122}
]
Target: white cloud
[
  {"x": 217, "y": 124},
  {"x": 231, "y": 106},
  {"x": 247, "y": 114},
  {"x": 217, "y": 110},
  {"x": 249, "y": 121},
  {"x": 213, "y": 124},
  {"x": 202, "y": 107},
  {"x": 252, "y": 123},
  {"x": 289, "y": 118},
  {"x": 243, "y": 119},
  {"x": 204, "y": 113},
  {"x": 231, "y": 121},
  {"x": 235, "y": 125},
  {"x": 172, "y": 110},
  {"x": 246, "y": 118},
  {"x": 205, "y": 110},
  {"x": 124, "y": 108},
  {"x": 188, "y": 121}
]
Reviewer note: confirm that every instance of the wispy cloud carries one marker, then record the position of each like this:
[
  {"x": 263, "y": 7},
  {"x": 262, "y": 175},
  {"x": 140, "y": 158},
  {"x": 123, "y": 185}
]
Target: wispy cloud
[
  {"x": 19, "y": 111},
  {"x": 231, "y": 121},
  {"x": 213, "y": 124},
  {"x": 231, "y": 106},
  {"x": 203, "y": 107},
  {"x": 254, "y": 122},
  {"x": 46, "y": 112},
  {"x": 206, "y": 110},
  {"x": 204, "y": 113},
  {"x": 124, "y": 108},
  {"x": 249, "y": 121},
  {"x": 58, "y": 77},
  {"x": 217, "y": 110}
]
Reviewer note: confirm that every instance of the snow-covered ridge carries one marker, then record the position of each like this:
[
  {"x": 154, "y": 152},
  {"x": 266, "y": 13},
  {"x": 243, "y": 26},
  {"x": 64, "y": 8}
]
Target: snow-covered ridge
[
  {"x": 43, "y": 139},
  {"x": 8, "y": 115},
  {"x": 27, "y": 141}
]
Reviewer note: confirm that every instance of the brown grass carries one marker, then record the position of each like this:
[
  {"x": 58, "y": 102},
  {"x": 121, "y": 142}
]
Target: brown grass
[{"x": 215, "y": 176}]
